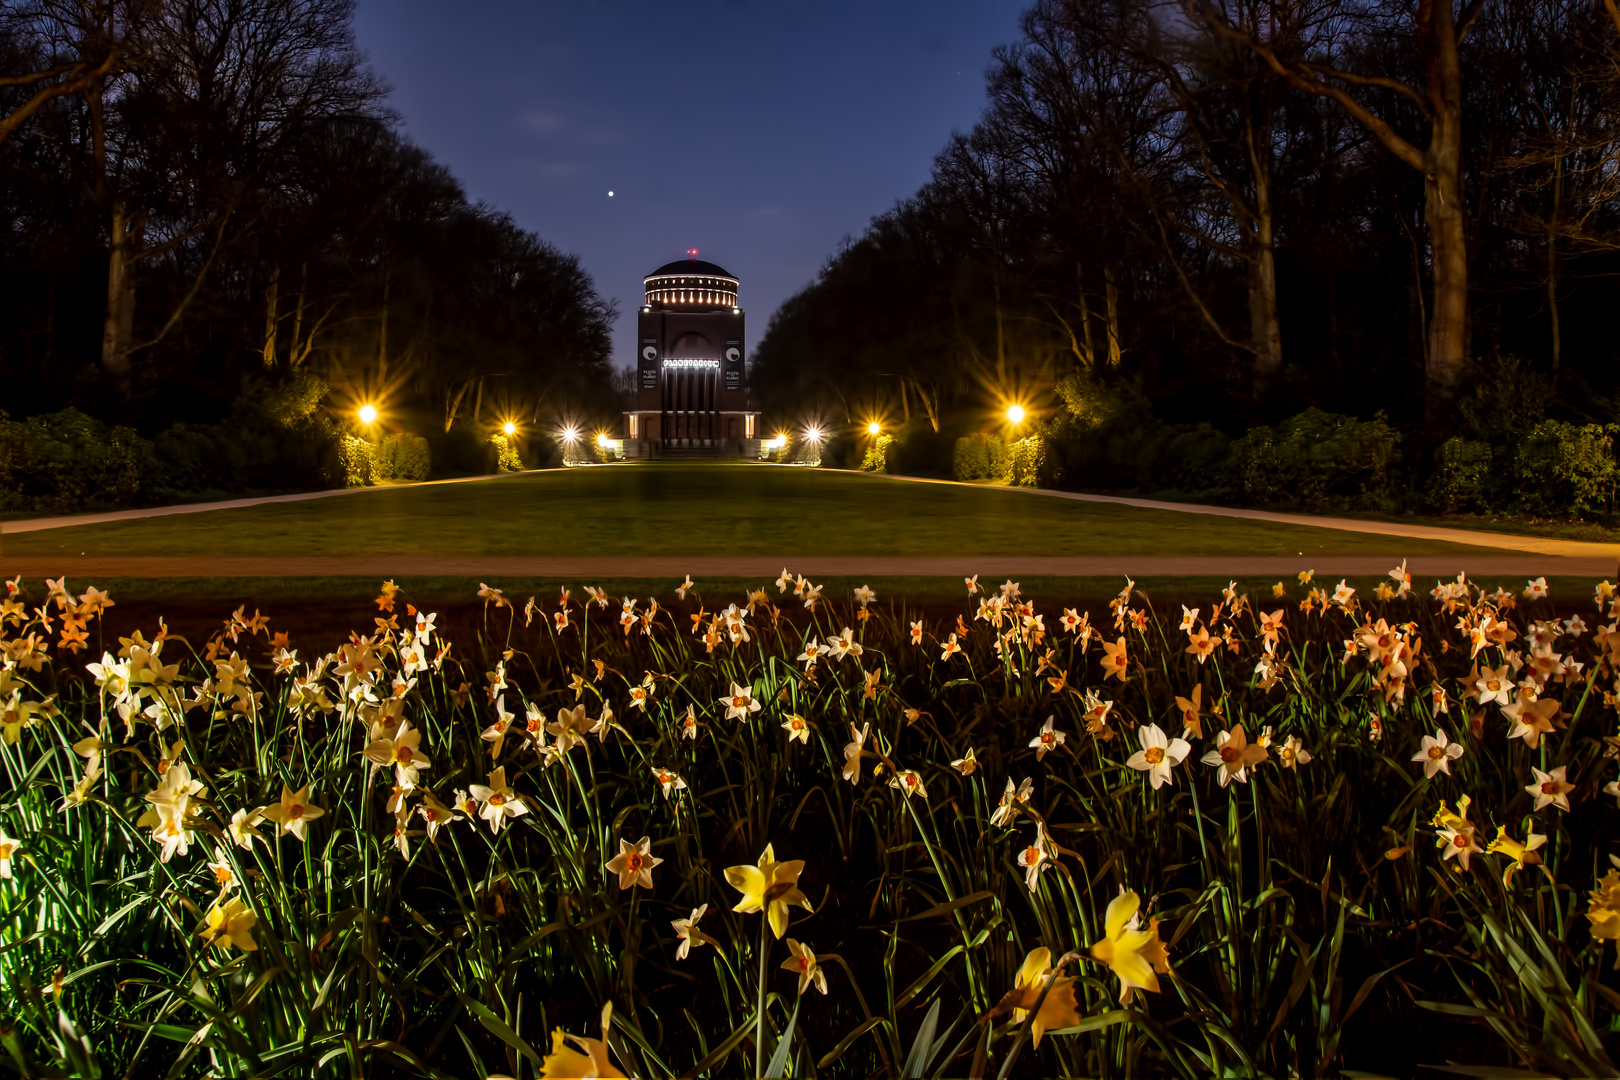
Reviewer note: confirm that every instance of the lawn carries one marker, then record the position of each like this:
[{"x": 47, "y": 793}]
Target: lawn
[{"x": 707, "y": 509}]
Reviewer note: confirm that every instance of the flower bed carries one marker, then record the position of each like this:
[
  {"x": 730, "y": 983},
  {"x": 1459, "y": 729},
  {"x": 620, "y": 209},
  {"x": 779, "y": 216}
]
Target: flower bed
[{"x": 798, "y": 835}]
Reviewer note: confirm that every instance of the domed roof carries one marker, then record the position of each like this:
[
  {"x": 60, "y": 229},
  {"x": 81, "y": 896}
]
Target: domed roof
[{"x": 693, "y": 266}]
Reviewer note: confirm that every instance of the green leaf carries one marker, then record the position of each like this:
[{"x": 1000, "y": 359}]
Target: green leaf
[
  {"x": 778, "y": 1063},
  {"x": 922, "y": 1046}
]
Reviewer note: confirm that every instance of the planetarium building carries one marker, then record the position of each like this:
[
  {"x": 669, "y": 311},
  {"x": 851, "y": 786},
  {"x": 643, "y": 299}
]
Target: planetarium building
[{"x": 691, "y": 378}]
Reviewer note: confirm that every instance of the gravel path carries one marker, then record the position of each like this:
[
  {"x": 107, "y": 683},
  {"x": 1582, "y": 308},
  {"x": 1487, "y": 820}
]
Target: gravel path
[{"x": 584, "y": 568}]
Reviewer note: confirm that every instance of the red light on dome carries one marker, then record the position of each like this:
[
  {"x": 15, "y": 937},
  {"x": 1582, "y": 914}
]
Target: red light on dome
[{"x": 693, "y": 253}]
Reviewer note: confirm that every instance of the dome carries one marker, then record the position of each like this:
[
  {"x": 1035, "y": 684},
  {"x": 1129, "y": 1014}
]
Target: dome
[{"x": 695, "y": 267}]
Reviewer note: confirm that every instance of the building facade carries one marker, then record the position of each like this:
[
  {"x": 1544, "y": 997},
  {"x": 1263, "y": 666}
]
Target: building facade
[{"x": 691, "y": 370}]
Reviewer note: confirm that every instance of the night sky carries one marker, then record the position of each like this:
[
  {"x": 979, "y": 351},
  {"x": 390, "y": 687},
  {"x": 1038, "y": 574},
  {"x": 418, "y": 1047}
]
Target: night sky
[{"x": 760, "y": 133}]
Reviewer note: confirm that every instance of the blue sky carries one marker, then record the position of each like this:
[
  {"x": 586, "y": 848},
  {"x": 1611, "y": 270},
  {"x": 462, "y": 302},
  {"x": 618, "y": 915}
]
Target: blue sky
[{"x": 758, "y": 132}]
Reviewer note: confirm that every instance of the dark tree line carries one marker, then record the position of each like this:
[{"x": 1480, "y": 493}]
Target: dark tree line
[
  {"x": 204, "y": 200},
  {"x": 1239, "y": 209}
]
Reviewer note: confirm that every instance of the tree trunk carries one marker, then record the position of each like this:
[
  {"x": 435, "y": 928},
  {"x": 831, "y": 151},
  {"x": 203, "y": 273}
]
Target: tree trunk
[
  {"x": 1085, "y": 315},
  {"x": 1443, "y": 212},
  {"x": 272, "y": 316},
  {"x": 1111, "y": 295},
  {"x": 1552, "y": 263},
  {"x": 1265, "y": 329},
  {"x": 118, "y": 327},
  {"x": 298, "y": 316}
]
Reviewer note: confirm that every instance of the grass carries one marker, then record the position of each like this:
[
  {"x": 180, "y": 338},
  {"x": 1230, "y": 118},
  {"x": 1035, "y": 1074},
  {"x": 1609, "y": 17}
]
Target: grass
[
  {"x": 691, "y": 509},
  {"x": 1312, "y": 923}
]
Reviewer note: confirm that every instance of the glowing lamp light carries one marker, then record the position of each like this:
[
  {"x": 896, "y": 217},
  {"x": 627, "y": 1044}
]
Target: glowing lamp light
[
  {"x": 509, "y": 427},
  {"x": 874, "y": 428},
  {"x": 570, "y": 435},
  {"x": 1015, "y": 413},
  {"x": 368, "y": 414},
  {"x": 602, "y": 439},
  {"x": 814, "y": 434}
]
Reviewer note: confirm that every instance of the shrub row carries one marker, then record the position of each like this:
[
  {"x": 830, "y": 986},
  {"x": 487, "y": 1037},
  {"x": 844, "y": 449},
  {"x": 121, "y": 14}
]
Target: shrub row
[{"x": 66, "y": 461}]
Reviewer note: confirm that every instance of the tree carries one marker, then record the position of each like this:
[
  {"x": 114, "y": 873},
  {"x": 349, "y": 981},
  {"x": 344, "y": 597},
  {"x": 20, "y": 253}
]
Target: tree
[{"x": 1438, "y": 29}]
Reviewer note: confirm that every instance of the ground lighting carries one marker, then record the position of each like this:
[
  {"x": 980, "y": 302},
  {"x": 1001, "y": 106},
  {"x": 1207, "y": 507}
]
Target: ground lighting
[
  {"x": 368, "y": 414},
  {"x": 1015, "y": 413},
  {"x": 509, "y": 427},
  {"x": 874, "y": 428}
]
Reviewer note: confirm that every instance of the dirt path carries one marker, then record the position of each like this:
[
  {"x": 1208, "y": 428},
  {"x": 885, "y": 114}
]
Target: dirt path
[{"x": 584, "y": 568}]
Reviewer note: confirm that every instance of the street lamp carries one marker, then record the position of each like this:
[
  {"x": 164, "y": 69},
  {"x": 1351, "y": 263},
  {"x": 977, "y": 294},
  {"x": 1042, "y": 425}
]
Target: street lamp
[
  {"x": 1015, "y": 414},
  {"x": 368, "y": 414},
  {"x": 874, "y": 428},
  {"x": 509, "y": 427}
]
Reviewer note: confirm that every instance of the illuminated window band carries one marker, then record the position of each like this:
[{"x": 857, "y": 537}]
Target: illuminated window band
[
  {"x": 689, "y": 363},
  {"x": 684, "y": 289}
]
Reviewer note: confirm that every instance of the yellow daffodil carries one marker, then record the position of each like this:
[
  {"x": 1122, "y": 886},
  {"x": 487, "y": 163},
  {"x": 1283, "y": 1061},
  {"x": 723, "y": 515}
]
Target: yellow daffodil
[
  {"x": 1059, "y": 1010},
  {"x": 1519, "y": 855},
  {"x": 1131, "y": 953},
  {"x": 634, "y": 863},
  {"x": 589, "y": 1062},
  {"x": 770, "y": 886},
  {"x": 230, "y": 924},
  {"x": 966, "y": 764},
  {"x": 803, "y": 963}
]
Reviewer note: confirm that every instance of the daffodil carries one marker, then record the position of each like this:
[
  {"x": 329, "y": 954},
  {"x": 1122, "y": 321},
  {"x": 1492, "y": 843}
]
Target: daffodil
[
  {"x": 797, "y": 727},
  {"x": 634, "y": 863},
  {"x": 402, "y": 750},
  {"x": 589, "y": 1062},
  {"x": 1437, "y": 754},
  {"x": 1131, "y": 953},
  {"x": 1233, "y": 755},
  {"x": 230, "y": 924},
  {"x": 1047, "y": 739},
  {"x": 1550, "y": 787},
  {"x": 1519, "y": 855},
  {"x": 910, "y": 782},
  {"x": 852, "y": 751},
  {"x": 770, "y": 887},
  {"x": 294, "y": 812},
  {"x": 1012, "y": 801},
  {"x": 966, "y": 764},
  {"x": 1115, "y": 663},
  {"x": 436, "y": 814},
  {"x": 1191, "y": 709},
  {"x": 1159, "y": 754},
  {"x": 686, "y": 930},
  {"x": 802, "y": 962},
  {"x": 1603, "y": 911},
  {"x": 1456, "y": 833},
  {"x": 740, "y": 703},
  {"x": 497, "y": 800},
  {"x": 8, "y": 851},
  {"x": 1292, "y": 753},
  {"x": 949, "y": 648},
  {"x": 1034, "y": 858},
  {"x": 1059, "y": 1010},
  {"x": 569, "y": 728}
]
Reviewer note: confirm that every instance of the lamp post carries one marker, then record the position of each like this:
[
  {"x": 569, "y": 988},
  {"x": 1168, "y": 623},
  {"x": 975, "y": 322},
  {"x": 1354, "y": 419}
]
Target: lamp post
[{"x": 814, "y": 438}]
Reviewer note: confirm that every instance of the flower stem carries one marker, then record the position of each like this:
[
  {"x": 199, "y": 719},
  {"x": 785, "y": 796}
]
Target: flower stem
[{"x": 759, "y": 1007}]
